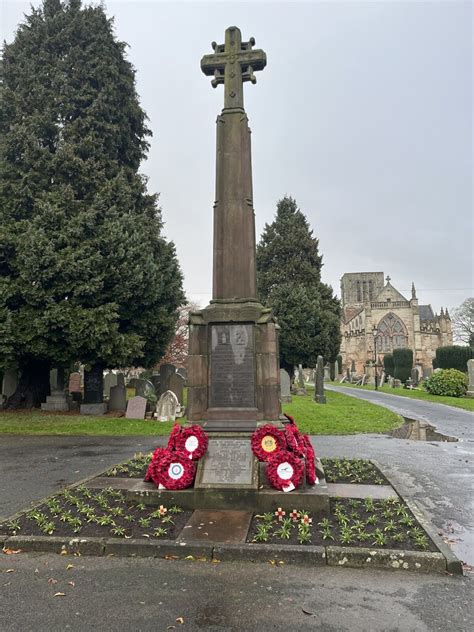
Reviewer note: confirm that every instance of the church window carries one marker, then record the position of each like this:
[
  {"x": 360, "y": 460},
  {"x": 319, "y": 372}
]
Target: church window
[{"x": 392, "y": 333}]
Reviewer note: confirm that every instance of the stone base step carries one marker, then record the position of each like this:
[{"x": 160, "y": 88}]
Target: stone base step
[{"x": 229, "y": 527}]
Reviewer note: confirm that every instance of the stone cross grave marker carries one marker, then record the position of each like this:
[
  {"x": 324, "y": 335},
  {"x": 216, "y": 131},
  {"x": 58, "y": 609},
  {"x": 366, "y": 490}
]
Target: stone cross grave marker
[
  {"x": 470, "y": 370},
  {"x": 176, "y": 384}
]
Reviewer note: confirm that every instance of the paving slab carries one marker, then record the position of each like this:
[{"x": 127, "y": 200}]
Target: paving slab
[
  {"x": 355, "y": 490},
  {"x": 217, "y": 526}
]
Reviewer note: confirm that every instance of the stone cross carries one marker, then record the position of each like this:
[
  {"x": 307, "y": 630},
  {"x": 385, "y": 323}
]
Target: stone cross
[
  {"x": 232, "y": 64},
  {"x": 319, "y": 382}
]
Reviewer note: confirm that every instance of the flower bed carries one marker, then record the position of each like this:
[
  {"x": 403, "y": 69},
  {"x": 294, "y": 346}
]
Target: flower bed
[
  {"x": 360, "y": 471},
  {"x": 87, "y": 512},
  {"x": 354, "y": 523}
]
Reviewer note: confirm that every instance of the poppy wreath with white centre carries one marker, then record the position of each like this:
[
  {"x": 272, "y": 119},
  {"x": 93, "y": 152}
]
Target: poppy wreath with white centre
[
  {"x": 310, "y": 456},
  {"x": 266, "y": 441},
  {"x": 174, "y": 470},
  {"x": 157, "y": 454},
  {"x": 285, "y": 471},
  {"x": 193, "y": 441}
]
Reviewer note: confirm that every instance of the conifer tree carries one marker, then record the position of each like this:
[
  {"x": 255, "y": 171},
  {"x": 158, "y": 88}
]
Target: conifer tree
[
  {"x": 289, "y": 281},
  {"x": 85, "y": 273}
]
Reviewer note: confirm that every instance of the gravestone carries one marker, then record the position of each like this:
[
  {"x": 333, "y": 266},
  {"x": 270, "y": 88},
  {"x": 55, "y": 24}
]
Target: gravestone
[
  {"x": 348, "y": 375},
  {"x": 142, "y": 387},
  {"x": 319, "y": 382},
  {"x": 59, "y": 400},
  {"x": 168, "y": 407},
  {"x": 118, "y": 398},
  {"x": 285, "y": 383},
  {"x": 93, "y": 402},
  {"x": 470, "y": 372},
  {"x": 120, "y": 379},
  {"x": 176, "y": 385},
  {"x": 110, "y": 380},
  {"x": 327, "y": 373},
  {"x": 166, "y": 371},
  {"x": 136, "y": 408},
  {"x": 74, "y": 382},
  {"x": 427, "y": 372},
  {"x": 382, "y": 379},
  {"x": 155, "y": 380},
  {"x": 414, "y": 376},
  {"x": 390, "y": 381},
  {"x": 299, "y": 379},
  {"x": 397, "y": 383},
  {"x": 9, "y": 382}
]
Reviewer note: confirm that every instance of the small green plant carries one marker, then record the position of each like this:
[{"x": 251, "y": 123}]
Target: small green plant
[
  {"x": 380, "y": 539},
  {"x": 407, "y": 521},
  {"x": 47, "y": 528},
  {"x": 372, "y": 520},
  {"x": 159, "y": 532},
  {"x": 390, "y": 526},
  {"x": 167, "y": 520},
  {"x": 117, "y": 530},
  {"x": 116, "y": 511},
  {"x": 144, "y": 523},
  {"x": 267, "y": 518},
  {"x": 129, "y": 518},
  {"x": 262, "y": 533},
  {"x": 284, "y": 532},
  {"x": 304, "y": 533},
  {"x": 369, "y": 504},
  {"x": 65, "y": 516},
  {"x": 13, "y": 526},
  {"x": 398, "y": 536},
  {"x": 421, "y": 542},
  {"x": 142, "y": 506}
]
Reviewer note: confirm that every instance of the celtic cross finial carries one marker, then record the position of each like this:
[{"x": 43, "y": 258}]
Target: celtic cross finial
[{"x": 233, "y": 63}]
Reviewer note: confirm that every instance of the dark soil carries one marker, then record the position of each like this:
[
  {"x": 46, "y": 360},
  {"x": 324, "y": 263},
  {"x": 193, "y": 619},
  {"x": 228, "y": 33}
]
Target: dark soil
[
  {"x": 88, "y": 511},
  {"x": 361, "y": 471},
  {"x": 355, "y": 517},
  {"x": 135, "y": 468}
]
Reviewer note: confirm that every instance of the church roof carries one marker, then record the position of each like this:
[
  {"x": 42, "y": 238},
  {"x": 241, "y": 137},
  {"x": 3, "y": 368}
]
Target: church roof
[
  {"x": 426, "y": 312},
  {"x": 388, "y": 291}
]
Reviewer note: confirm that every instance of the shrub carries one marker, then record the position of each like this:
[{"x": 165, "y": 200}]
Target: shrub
[
  {"x": 388, "y": 364},
  {"x": 339, "y": 364},
  {"x": 453, "y": 357},
  {"x": 403, "y": 360},
  {"x": 332, "y": 371},
  {"x": 450, "y": 382}
]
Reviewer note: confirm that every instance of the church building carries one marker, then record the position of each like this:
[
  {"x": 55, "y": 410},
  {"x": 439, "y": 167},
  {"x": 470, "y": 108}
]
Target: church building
[{"x": 375, "y": 315}]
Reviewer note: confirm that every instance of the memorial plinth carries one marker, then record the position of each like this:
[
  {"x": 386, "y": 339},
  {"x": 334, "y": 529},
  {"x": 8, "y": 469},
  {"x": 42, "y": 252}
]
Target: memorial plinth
[{"x": 233, "y": 367}]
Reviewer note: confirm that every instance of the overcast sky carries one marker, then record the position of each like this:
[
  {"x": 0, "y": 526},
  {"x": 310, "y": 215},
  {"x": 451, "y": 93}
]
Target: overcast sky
[{"x": 363, "y": 114}]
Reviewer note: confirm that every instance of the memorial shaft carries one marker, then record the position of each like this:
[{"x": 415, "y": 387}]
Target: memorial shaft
[{"x": 234, "y": 269}]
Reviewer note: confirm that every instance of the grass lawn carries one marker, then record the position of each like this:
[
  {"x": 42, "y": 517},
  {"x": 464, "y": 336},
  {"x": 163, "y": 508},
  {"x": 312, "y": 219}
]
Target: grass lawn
[
  {"x": 341, "y": 415},
  {"x": 457, "y": 402}
]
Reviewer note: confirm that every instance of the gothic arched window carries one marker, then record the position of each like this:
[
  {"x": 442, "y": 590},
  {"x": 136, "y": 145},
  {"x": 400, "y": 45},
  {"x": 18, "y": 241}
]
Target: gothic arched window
[{"x": 392, "y": 334}]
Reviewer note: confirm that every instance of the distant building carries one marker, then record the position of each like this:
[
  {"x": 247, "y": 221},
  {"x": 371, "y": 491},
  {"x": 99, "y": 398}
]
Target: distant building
[{"x": 368, "y": 303}]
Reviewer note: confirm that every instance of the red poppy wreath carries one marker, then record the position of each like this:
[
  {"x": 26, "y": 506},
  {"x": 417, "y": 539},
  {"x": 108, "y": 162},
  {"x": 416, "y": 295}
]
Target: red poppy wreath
[
  {"x": 294, "y": 439},
  {"x": 174, "y": 434},
  {"x": 174, "y": 470},
  {"x": 192, "y": 441},
  {"x": 157, "y": 455},
  {"x": 285, "y": 471},
  {"x": 311, "y": 476},
  {"x": 267, "y": 441}
]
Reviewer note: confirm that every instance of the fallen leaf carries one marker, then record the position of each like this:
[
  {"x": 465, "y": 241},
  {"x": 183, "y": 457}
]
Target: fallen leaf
[
  {"x": 307, "y": 611},
  {"x": 171, "y": 627},
  {"x": 189, "y": 557},
  {"x": 214, "y": 561},
  {"x": 10, "y": 570},
  {"x": 72, "y": 584},
  {"x": 63, "y": 552},
  {"x": 180, "y": 620},
  {"x": 69, "y": 566},
  {"x": 11, "y": 551},
  {"x": 171, "y": 557},
  {"x": 51, "y": 580},
  {"x": 59, "y": 594}
]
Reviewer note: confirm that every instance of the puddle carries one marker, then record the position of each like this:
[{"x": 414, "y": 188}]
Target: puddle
[{"x": 419, "y": 431}]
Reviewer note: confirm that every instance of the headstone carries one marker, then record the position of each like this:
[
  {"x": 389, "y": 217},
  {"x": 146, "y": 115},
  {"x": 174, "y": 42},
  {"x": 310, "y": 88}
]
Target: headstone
[
  {"x": 166, "y": 371},
  {"x": 182, "y": 371},
  {"x": 470, "y": 372},
  {"x": 155, "y": 380},
  {"x": 9, "y": 382},
  {"x": 348, "y": 374},
  {"x": 93, "y": 403},
  {"x": 120, "y": 379},
  {"x": 118, "y": 398},
  {"x": 299, "y": 381},
  {"x": 136, "y": 408},
  {"x": 390, "y": 381},
  {"x": 168, "y": 407},
  {"x": 382, "y": 379},
  {"x": 74, "y": 382},
  {"x": 327, "y": 373},
  {"x": 427, "y": 372},
  {"x": 397, "y": 383},
  {"x": 176, "y": 385},
  {"x": 142, "y": 387},
  {"x": 301, "y": 376},
  {"x": 319, "y": 382},
  {"x": 414, "y": 376},
  {"x": 53, "y": 380},
  {"x": 59, "y": 400},
  {"x": 110, "y": 380},
  {"x": 285, "y": 386}
]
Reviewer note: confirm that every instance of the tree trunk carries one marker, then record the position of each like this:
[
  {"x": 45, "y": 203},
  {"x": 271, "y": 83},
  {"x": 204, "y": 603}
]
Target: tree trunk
[{"x": 33, "y": 386}]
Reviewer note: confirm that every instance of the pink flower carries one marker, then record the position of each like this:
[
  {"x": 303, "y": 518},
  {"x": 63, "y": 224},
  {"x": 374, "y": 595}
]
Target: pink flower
[
  {"x": 162, "y": 510},
  {"x": 294, "y": 515},
  {"x": 306, "y": 519},
  {"x": 279, "y": 513}
]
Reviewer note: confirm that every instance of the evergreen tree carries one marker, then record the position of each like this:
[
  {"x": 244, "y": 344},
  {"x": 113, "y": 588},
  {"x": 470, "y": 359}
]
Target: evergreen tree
[
  {"x": 289, "y": 281},
  {"x": 85, "y": 274}
]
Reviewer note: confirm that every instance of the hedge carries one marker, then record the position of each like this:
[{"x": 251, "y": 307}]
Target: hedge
[
  {"x": 453, "y": 357},
  {"x": 388, "y": 364},
  {"x": 403, "y": 360}
]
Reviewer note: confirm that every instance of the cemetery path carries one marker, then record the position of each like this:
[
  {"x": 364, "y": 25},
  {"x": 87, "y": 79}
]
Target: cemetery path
[
  {"x": 32, "y": 467},
  {"x": 154, "y": 594},
  {"x": 447, "y": 419}
]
